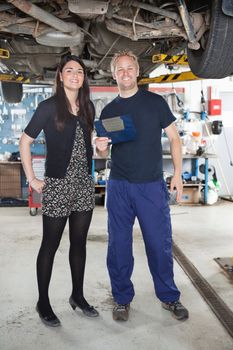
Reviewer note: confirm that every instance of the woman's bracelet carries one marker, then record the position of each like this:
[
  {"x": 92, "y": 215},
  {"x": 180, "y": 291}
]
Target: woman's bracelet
[{"x": 31, "y": 180}]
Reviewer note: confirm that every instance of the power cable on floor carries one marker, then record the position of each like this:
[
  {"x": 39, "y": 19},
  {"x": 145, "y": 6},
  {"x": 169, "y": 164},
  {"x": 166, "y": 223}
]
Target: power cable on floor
[
  {"x": 228, "y": 149},
  {"x": 218, "y": 161}
]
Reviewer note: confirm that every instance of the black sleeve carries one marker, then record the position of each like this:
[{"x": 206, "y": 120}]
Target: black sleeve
[
  {"x": 38, "y": 120},
  {"x": 105, "y": 112},
  {"x": 166, "y": 116}
]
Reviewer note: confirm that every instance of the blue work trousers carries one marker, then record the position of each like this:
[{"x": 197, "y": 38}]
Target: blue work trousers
[{"x": 149, "y": 203}]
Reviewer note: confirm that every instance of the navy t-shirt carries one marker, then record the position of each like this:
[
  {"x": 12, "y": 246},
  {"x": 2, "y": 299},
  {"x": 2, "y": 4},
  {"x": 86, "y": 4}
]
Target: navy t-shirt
[{"x": 140, "y": 160}]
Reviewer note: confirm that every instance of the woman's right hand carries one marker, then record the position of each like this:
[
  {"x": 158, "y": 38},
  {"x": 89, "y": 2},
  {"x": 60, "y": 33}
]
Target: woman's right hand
[{"x": 37, "y": 185}]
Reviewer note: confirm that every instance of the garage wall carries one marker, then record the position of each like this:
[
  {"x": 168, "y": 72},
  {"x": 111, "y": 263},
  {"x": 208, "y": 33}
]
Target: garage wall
[
  {"x": 222, "y": 144},
  {"x": 14, "y": 118}
]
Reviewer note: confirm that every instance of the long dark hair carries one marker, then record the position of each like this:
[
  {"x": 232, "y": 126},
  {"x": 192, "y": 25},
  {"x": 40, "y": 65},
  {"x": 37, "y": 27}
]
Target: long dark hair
[{"x": 86, "y": 107}]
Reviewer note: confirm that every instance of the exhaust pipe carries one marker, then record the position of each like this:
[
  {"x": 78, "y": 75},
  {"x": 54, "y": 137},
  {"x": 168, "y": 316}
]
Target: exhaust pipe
[{"x": 65, "y": 32}]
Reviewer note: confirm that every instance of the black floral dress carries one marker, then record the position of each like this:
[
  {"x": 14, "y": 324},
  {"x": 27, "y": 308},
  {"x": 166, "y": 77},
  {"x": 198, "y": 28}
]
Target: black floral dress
[{"x": 74, "y": 192}]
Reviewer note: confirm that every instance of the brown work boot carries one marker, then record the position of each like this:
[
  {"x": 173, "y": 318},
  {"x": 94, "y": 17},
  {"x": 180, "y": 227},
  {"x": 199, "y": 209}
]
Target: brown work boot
[{"x": 121, "y": 312}]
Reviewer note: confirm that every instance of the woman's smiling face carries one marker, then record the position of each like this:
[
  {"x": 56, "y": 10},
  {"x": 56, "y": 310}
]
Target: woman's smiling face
[{"x": 72, "y": 76}]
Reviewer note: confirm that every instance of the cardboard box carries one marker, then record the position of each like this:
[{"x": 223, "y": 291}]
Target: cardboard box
[
  {"x": 10, "y": 180},
  {"x": 191, "y": 195}
]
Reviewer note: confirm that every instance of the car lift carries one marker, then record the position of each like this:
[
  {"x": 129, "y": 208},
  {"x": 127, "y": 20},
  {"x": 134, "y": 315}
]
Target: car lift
[
  {"x": 227, "y": 265},
  {"x": 170, "y": 60},
  {"x": 170, "y": 78},
  {"x": 20, "y": 78},
  {"x": 11, "y": 77}
]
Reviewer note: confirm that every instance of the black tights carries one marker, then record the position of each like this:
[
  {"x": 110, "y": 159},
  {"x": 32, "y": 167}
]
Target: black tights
[{"x": 53, "y": 228}]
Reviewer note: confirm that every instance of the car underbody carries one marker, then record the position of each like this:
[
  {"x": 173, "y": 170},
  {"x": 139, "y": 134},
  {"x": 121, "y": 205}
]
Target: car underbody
[{"x": 37, "y": 33}]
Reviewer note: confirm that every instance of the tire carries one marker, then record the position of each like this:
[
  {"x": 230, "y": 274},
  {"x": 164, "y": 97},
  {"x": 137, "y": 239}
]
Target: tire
[
  {"x": 215, "y": 60},
  {"x": 12, "y": 92}
]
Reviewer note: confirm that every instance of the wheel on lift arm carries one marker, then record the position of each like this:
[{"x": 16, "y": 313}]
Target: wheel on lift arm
[
  {"x": 214, "y": 58},
  {"x": 12, "y": 92},
  {"x": 33, "y": 211}
]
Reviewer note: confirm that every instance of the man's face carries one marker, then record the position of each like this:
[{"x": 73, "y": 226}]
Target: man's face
[{"x": 126, "y": 73}]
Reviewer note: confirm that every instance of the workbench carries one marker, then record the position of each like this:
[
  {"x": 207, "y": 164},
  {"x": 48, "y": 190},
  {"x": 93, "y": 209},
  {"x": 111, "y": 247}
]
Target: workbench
[{"x": 195, "y": 167}]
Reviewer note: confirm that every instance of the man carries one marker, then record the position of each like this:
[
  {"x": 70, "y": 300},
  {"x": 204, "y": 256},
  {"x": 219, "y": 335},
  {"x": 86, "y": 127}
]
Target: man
[{"x": 136, "y": 189}]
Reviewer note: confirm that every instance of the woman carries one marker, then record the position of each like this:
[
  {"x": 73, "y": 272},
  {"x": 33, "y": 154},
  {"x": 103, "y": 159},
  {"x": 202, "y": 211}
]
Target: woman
[{"x": 68, "y": 189}]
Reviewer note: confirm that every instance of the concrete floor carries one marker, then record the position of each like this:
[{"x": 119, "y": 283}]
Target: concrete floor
[{"x": 203, "y": 233}]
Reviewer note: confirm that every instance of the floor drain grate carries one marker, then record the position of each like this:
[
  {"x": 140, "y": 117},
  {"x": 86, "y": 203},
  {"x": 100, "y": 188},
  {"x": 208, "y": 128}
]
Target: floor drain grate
[{"x": 218, "y": 306}]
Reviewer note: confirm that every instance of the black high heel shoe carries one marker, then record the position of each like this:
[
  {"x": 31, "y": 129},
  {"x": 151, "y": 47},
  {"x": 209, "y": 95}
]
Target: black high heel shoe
[
  {"x": 87, "y": 309},
  {"x": 49, "y": 320}
]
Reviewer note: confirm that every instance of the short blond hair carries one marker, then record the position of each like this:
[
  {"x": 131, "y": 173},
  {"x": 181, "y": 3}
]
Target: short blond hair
[{"x": 119, "y": 54}]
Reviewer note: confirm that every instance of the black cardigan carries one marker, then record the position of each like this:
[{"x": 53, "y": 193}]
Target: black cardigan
[{"x": 59, "y": 143}]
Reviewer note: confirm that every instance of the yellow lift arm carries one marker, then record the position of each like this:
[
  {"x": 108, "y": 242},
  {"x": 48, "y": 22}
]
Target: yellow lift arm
[
  {"x": 170, "y": 78},
  {"x": 171, "y": 59},
  {"x": 10, "y": 77},
  {"x": 4, "y": 53},
  {"x": 14, "y": 78}
]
